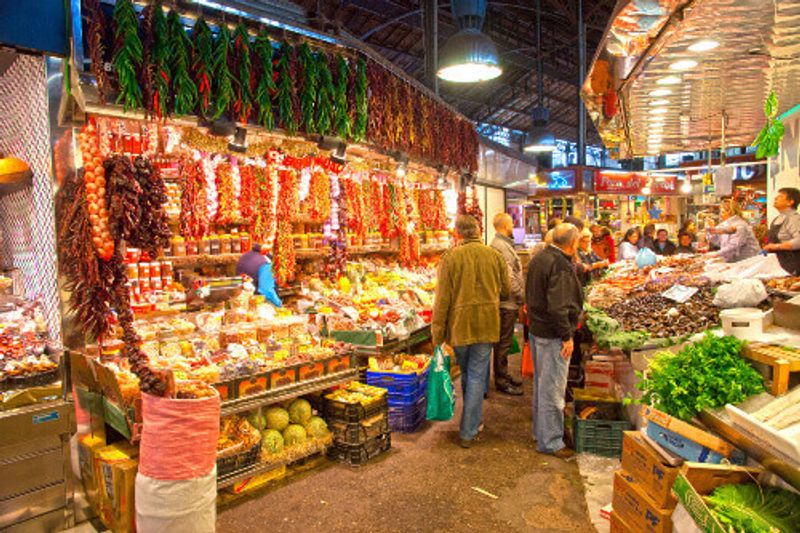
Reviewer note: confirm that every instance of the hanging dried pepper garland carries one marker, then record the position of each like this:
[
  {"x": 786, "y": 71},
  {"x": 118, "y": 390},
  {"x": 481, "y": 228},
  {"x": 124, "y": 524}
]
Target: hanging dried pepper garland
[
  {"x": 203, "y": 65},
  {"x": 243, "y": 105},
  {"x": 308, "y": 87},
  {"x": 96, "y": 40},
  {"x": 324, "y": 95},
  {"x": 319, "y": 200},
  {"x": 194, "y": 211},
  {"x": 152, "y": 233},
  {"x": 127, "y": 54},
  {"x": 223, "y": 78},
  {"x": 94, "y": 186},
  {"x": 266, "y": 84},
  {"x": 284, "y": 261},
  {"x": 285, "y": 90},
  {"x": 183, "y": 87},
  {"x": 342, "y": 119},
  {"x": 228, "y": 211},
  {"x": 247, "y": 194},
  {"x": 88, "y": 280},
  {"x": 266, "y": 204},
  {"x": 361, "y": 102}
]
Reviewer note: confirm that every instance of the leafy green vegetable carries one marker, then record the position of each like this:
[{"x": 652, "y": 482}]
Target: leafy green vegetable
[
  {"x": 755, "y": 509},
  {"x": 705, "y": 374},
  {"x": 607, "y": 332},
  {"x": 769, "y": 140}
]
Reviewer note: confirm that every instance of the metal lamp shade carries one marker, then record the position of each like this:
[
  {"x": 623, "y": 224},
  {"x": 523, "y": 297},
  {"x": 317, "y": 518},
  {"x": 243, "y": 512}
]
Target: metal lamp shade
[
  {"x": 469, "y": 56},
  {"x": 540, "y": 139}
]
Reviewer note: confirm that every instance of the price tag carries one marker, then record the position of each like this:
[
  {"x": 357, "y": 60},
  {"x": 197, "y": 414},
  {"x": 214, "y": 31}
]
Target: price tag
[{"x": 679, "y": 293}]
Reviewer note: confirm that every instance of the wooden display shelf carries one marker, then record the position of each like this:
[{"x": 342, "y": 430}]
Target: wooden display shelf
[
  {"x": 249, "y": 403},
  {"x": 203, "y": 260},
  {"x": 782, "y": 361},
  {"x": 310, "y": 253},
  {"x": 242, "y": 474}
]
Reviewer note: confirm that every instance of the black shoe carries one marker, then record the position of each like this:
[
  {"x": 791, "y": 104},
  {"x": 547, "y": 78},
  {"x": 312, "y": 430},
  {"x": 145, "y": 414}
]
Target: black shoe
[
  {"x": 511, "y": 390},
  {"x": 464, "y": 443}
]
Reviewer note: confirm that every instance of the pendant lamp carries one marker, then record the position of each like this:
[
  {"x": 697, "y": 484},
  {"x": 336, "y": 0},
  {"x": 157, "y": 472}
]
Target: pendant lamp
[{"x": 469, "y": 56}]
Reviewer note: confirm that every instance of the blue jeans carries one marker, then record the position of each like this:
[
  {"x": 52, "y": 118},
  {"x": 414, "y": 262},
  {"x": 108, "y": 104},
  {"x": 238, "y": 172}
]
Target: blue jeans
[
  {"x": 549, "y": 383},
  {"x": 474, "y": 361}
]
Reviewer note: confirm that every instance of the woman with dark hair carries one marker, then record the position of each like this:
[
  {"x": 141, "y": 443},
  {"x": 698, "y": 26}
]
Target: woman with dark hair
[
  {"x": 784, "y": 233},
  {"x": 603, "y": 243},
  {"x": 690, "y": 229},
  {"x": 628, "y": 247}
]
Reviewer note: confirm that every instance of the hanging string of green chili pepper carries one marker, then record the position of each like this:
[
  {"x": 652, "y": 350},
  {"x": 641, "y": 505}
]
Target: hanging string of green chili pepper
[
  {"x": 266, "y": 85},
  {"x": 343, "y": 125},
  {"x": 243, "y": 105},
  {"x": 223, "y": 79},
  {"x": 183, "y": 87},
  {"x": 285, "y": 90},
  {"x": 202, "y": 64},
  {"x": 361, "y": 101},
  {"x": 308, "y": 91},
  {"x": 127, "y": 54},
  {"x": 324, "y": 95}
]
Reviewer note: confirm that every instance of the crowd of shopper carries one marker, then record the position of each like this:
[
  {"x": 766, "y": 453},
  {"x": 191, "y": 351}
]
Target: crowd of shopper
[{"x": 481, "y": 293}]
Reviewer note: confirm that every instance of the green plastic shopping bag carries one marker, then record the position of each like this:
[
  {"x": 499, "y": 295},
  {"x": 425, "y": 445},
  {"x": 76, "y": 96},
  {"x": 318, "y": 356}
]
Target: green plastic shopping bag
[
  {"x": 441, "y": 400},
  {"x": 514, "y": 349}
]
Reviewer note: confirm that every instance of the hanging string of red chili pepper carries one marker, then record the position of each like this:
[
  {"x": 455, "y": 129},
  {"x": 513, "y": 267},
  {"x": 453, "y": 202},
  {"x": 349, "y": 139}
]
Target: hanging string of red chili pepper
[
  {"x": 203, "y": 65},
  {"x": 325, "y": 94},
  {"x": 285, "y": 90},
  {"x": 342, "y": 119},
  {"x": 243, "y": 104},
  {"x": 96, "y": 41},
  {"x": 361, "y": 103},
  {"x": 308, "y": 87}
]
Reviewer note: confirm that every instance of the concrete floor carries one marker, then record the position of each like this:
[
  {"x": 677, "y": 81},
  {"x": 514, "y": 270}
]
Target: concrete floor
[{"x": 427, "y": 483}]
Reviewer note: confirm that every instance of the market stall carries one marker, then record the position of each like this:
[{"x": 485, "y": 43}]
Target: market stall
[{"x": 193, "y": 140}]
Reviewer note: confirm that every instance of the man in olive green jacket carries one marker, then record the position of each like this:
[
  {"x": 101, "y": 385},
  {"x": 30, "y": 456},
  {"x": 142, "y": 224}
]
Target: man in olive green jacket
[{"x": 472, "y": 280}]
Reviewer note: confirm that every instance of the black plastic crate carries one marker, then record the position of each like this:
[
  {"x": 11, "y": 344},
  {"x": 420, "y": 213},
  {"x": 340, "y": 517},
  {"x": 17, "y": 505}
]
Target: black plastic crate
[
  {"x": 354, "y": 434},
  {"x": 231, "y": 463},
  {"x": 353, "y": 413},
  {"x": 361, "y": 453},
  {"x": 599, "y": 437}
]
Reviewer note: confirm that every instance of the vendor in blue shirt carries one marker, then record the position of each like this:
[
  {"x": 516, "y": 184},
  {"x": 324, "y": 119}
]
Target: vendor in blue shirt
[{"x": 258, "y": 268}]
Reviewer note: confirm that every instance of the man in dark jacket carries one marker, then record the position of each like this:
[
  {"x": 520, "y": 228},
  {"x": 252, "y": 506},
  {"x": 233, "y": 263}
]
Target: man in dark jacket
[
  {"x": 509, "y": 307},
  {"x": 664, "y": 246},
  {"x": 471, "y": 281},
  {"x": 554, "y": 299}
]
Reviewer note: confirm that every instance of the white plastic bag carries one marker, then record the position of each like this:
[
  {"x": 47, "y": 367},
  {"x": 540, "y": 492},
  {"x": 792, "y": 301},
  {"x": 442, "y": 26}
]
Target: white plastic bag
[
  {"x": 186, "y": 506},
  {"x": 741, "y": 293},
  {"x": 646, "y": 257}
]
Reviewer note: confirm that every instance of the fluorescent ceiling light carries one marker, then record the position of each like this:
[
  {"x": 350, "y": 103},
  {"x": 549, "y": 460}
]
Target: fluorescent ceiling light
[
  {"x": 669, "y": 80},
  {"x": 660, "y": 92},
  {"x": 704, "y": 45},
  {"x": 683, "y": 64},
  {"x": 659, "y": 111},
  {"x": 661, "y": 101}
]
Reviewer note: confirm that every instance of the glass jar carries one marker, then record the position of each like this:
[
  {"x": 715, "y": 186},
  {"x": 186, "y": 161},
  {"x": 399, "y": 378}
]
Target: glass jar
[
  {"x": 225, "y": 244},
  {"x": 191, "y": 247},
  {"x": 205, "y": 246},
  {"x": 166, "y": 269},
  {"x": 214, "y": 245},
  {"x": 178, "y": 246},
  {"x": 245, "y": 244}
]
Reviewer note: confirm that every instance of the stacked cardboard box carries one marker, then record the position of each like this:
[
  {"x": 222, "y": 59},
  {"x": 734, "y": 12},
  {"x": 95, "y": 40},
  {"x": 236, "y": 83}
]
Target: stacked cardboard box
[
  {"x": 642, "y": 499},
  {"x": 115, "y": 468}
]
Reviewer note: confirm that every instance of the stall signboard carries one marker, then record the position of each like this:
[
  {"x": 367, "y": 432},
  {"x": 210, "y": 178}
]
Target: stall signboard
[
  {"x": 632, "y": 183},
  {"x": 555, "y": 180}
]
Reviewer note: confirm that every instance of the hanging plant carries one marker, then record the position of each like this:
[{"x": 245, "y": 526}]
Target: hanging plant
[
  {"x": 158, "y": 63},
  {"x": 127, "y": 55},
  {"x": 243, "y": 105},
  {"x": 285, "y": 110},
  {"x": 183, "y": 87},
  {"x": 324, "y": 95},
  {"x": 223, "y": 78},
  {"x": 769, "y": 140},
  {"x": 343, "y": 125},
  {"x": 266, "y": 84},
  {"x": 361, "y": 101},
  {"x": 308, "y": 88},
  {"x": 203, "y": 65},
  {"x": 96, "y": 40}
]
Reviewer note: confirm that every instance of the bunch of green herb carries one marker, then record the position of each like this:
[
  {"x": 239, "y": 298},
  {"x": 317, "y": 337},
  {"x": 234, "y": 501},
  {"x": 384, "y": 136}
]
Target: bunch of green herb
[
  {"x": 754, "y": 509},
  {"x": 769, "y": 139},
  {"x": 706, "y": 374}
]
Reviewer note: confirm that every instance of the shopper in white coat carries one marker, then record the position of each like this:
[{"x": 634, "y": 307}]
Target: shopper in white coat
[{"x": 733, "y": 235}]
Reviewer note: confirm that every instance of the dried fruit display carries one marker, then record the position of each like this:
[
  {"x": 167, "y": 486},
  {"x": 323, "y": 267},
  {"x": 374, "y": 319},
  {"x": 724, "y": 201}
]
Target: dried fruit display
[{"x": 152, "y": 233}]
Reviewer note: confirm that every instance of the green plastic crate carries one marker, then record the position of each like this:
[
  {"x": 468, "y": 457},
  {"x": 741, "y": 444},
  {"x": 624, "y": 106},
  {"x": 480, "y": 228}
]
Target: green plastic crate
[{"x": 599, "y": 437}]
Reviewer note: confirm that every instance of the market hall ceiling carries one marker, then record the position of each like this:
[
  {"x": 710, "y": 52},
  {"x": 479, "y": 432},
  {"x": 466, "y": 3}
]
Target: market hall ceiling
[
  {"x": 395, "y": 29},
  {"x": 670, "y": 71}
]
